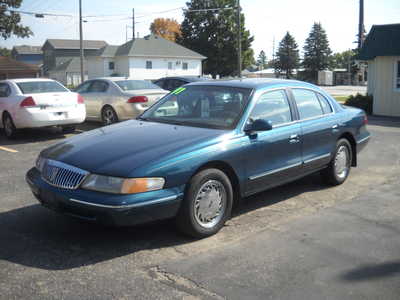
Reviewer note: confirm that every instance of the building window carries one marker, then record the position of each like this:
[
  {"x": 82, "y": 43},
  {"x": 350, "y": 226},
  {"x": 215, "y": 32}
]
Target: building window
[
  {"x": 397, "y": 76},
  {"x": 111, "y": 65},
  {"x": 184, "y": 66},
  {"x": 169, "y": 65},
  {"x": 149, "y": 64}
]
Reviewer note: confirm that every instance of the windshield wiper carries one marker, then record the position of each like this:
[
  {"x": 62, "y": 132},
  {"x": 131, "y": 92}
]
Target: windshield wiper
[{"x": 142, "y": 119}]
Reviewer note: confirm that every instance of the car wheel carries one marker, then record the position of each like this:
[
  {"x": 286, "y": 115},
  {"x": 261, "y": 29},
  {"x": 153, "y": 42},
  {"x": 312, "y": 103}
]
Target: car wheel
[
  {"x": 108, "y": 115},
  {"x": 207, "y": 204},
  {"x": 68, "y": 129},
  {"x": 339, "y": 167},
  {"x": 9, "y": 128}
]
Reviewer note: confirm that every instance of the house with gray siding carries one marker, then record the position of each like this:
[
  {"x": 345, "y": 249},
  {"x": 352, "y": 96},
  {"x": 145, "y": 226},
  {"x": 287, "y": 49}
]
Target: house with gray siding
[
  {"x": 62, "y": 55},
  {"x": 28, "y": 54}
]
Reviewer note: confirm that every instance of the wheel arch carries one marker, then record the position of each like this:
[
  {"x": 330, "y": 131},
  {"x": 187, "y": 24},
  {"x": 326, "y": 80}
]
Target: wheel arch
[
  {"x": 348, "y": 136},
  {"x": 229, "y": 171}
]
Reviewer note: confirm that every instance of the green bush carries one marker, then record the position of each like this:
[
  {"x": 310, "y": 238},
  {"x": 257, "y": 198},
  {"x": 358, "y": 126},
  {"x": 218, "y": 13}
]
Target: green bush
[{"x": 364, "y": 102}]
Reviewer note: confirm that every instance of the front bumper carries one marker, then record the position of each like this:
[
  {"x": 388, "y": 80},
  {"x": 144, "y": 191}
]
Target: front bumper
[{"x": 117, "y": 210}]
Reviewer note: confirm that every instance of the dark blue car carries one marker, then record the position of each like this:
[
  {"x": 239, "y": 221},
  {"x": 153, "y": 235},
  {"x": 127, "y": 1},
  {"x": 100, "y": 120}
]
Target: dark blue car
[{"x": 197, "y": 151}]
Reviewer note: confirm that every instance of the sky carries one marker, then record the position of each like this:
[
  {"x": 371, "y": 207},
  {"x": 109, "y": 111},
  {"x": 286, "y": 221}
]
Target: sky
[{"x": 267, "y": 20}]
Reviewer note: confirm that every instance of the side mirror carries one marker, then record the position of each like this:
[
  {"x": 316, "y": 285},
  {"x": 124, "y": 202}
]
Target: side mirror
[{"x": 258, "y": 125}]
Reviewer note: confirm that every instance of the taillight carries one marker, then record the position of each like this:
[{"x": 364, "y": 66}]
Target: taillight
[
  {"x": 80, "y": 99},
  {"x": 27, "y": 102},
  {"x": 138, "y": 99},
  {"x": 365, "y": 120}
]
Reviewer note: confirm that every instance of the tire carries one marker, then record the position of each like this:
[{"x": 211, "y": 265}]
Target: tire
[
  {"x": 108, "y": 115},
  {"x": 8, "y": 125},
  {"x": 201, "y": 215},
  {"x": 339, "y": 168},
  {"x": 68, "y": 129}
]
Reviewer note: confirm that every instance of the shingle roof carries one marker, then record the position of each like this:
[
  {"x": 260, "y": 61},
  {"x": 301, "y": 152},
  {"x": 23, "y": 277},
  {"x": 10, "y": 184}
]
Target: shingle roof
[
  {"x": 71, "y": 65},
  {"x": 153, "y": 45},
  {"x": 382, "y": 40},
  {"x": 108, "y": 51},
  {"x": 24, "y": 49},
  {"x": 74, "y": 44},
  {"x": 9, "y": 64}
]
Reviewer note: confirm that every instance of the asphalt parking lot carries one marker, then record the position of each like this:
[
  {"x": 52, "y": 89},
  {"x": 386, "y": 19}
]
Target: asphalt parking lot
[{"x": 304, "y": 240}]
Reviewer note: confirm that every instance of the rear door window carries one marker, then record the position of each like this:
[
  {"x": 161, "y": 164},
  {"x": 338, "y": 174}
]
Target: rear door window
[
  {"x": 98, "y": 87},
  {"x": 84, "y": 87},
  {"x": 308, "y": 104}
]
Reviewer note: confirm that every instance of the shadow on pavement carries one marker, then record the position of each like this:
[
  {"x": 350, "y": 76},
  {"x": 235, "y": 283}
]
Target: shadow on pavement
[
  {"x": 36, "y": 237},
  {"x": 384, "y": 121},
  {"x": 26, "y": 136},
  {"x": 371, "y": 272}
]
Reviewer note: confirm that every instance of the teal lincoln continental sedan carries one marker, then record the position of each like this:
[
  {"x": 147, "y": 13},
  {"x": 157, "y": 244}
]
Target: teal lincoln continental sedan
[{"x": 197, "y": 151}]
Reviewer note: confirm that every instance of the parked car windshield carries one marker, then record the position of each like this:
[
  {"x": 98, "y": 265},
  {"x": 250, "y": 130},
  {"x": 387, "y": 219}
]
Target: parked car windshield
[
  {"x": 36, "y": 87},
  {"x": 129, "y": 85},
  {"x": 203, "y": 106}
]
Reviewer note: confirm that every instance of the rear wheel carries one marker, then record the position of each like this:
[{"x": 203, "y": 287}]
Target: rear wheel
[
  {"x": 108, "y": 115},
  {"x": 339, "y": 167},
  {"x": 207, "y": 204},
  {"x": 9, "y": 128}
]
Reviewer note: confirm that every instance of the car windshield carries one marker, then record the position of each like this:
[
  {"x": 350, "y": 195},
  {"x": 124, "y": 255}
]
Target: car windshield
[
  {"x": 130, "y": 85},
  {"x": 203, "y": 106},
  {"x": 36, "y": 87}
]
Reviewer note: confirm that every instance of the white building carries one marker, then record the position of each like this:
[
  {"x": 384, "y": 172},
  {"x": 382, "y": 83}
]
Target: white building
[
  {"x": 381, "y": 50},
  {"x": 149, "y": 58}
]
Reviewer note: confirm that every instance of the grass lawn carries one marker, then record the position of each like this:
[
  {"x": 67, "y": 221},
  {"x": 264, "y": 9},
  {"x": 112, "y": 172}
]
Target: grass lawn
[{"x": 341, "y": 99}]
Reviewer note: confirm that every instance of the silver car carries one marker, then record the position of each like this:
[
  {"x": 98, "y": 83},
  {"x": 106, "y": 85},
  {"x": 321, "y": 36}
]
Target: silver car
[{"x": 114, "y": 99}]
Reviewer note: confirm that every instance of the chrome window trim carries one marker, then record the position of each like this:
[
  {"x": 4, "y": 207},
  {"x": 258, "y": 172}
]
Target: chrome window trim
[
  {"x": 317, "y": 158},
  {"x": 155, "y": 201},
  {"x": 275, "y": 171}
]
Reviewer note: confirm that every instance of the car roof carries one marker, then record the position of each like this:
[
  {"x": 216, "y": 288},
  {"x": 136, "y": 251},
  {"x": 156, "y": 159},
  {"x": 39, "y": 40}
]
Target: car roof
[
  {"x": 116, "y": 78},
  {"x": 188, "y": 78},
  {"x": 27, "y": 80},
  {"x": 257, "y": 83}
]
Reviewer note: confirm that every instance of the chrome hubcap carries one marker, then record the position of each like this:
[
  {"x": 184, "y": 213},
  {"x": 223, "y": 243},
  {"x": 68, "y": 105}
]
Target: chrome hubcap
[
  {"x": 108, "y": 116},
  {"x": 342, "y": 162},
  {"x": 210, "y": 203}
]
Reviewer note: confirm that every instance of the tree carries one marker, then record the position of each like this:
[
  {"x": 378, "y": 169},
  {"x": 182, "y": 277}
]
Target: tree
[
  {"x": 169, "y": 29},
  {"x": 287, "y": 57},
  {"x": 5, "y": 52},
  {"x": 341, "y": 60},
  {"x": 316, "y": 51},
  {"x": 10, "y": 21},
  {"x": 214, "y": 35},
  {"x": 262, "y": 60}
]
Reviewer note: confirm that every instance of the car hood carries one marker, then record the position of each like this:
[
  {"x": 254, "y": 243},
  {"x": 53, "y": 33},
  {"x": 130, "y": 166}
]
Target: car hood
[{"x": 119, "y": 149}]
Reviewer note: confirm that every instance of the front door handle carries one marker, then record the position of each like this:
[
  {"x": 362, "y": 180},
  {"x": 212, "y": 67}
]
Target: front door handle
[{"x": 294, "y": 138}]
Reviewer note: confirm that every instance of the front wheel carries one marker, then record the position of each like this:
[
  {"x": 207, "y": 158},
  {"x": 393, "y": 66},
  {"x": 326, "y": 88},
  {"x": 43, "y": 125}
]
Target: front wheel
[
  {"x": 9, "y": 128},
  {"x": 207, "y": 204},
  {"x": 108, "y": 115},
  {"x": 339, "y": 167}
]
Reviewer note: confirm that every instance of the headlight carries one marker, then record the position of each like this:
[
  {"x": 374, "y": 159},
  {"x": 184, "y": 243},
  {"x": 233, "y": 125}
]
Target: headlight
[
  {"x": 40, "y": 162},
  {"x": 118, "y": 185}
]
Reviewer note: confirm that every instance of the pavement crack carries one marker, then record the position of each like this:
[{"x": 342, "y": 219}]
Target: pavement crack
[{"x": 182, "y": 284}]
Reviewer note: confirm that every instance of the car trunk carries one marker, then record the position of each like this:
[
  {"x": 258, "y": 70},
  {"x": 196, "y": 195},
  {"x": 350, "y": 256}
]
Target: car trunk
[
  {"x": 152, "y": 94},
  {"x": 54, "y": 100}
]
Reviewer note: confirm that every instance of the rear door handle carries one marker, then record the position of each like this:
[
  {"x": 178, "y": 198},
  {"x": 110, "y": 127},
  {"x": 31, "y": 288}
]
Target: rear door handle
[
  {"x": 294, "y": 138},
  {"x": 336, "y": 126}
]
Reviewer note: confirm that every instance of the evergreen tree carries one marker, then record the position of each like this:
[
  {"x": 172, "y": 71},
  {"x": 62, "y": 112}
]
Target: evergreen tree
[
  {"x": 316, "y": 51},
  {"x": 10, "y": 22},
  {"x": 262, "y": 60},
  {"x": 214, "y": 35},
  {"x": 287, "y": 57}
]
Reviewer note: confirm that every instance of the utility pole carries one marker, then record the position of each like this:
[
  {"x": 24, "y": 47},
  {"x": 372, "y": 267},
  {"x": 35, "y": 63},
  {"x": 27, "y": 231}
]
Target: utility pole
[
  {"x": 81, "y": 40},
  {"x": 361, "y": 25},
  {"x": 133, "y": 23},
  {"x": 239, "y": 40}
]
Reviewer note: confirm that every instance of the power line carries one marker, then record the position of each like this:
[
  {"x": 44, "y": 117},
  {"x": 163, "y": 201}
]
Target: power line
[{"x": 38, "y": 13}]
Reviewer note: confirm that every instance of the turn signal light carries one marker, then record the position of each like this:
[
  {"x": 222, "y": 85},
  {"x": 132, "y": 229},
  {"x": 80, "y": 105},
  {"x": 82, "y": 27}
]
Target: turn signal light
[
  {"x": 138, "y": 99},
  {"x": 80, "y": 99},
  {"x": 27, "y": 102}
]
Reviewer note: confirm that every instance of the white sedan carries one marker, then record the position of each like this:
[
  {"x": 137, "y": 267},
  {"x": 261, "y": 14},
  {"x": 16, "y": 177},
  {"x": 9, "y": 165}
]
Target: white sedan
[
  {"x": 113, "y": 99},
  {"x": 34, "y": 102}
]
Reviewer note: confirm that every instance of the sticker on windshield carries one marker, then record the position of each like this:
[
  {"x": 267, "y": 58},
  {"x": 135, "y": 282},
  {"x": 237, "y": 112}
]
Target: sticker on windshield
[{"x": 178, "y": 91}]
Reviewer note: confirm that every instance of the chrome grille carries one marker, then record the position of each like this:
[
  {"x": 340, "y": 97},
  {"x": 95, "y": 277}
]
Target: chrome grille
[{"x": 62, "y": 175}]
